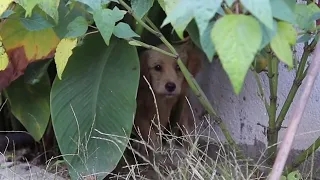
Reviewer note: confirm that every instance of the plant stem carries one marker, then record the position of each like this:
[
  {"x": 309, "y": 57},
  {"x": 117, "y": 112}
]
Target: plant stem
[
  {"x": 272, "y": 134},
  {"x": 303, "y": 156},
  {"x": 300, "y": 75},
  {"x": 148, "y": 46},
  {"x": 261, "y": 91},
  {"x": 189, "y": 78}
]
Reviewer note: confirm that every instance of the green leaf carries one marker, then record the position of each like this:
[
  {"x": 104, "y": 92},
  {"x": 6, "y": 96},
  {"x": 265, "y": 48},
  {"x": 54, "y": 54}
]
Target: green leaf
[
  {"x": 280, "y": 44},
  {"x": 261, "y": 9},
  {"x": 105, "y": 20},
  {"x": 77, "y": 27},
  {"x": 36, "y": 22},
  {"x": 141, "y": 7},
  {"x": 98, "y": 91},
  {"x": 282, "y": 10},
  {"x": 179, "y": 15},
  {"x": 206, "y": 42},
  {"x": 30, "y": 104},
  {"x": 304, "y": 38},
  {"x": 229, "y": 2},
  {"x": 268, "y": 34},
  {"x": 304, "y": 13},
  {"x": 193, "y": 32},
  {"x": 35, "y": 71},
  {"x": 315, "y": 16},
  {"x": 28, "y": 5},
  {"x": 204, "y": 10},
  {"x": 123, "y": 30},
  {"x": 95, "y": 5},
  {"x": 6, "y": 14},
  {"x": 295, "y": 175},
  {"x": 236, "y": 38},
  {"x": 51, "y": 8}
]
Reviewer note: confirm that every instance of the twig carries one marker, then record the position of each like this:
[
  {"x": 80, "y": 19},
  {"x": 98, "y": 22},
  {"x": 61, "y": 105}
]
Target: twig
[
  {"x": 261, "y": 91},
  {"x": 148, "y": 46},
  {"x": 296, "y": 117}
]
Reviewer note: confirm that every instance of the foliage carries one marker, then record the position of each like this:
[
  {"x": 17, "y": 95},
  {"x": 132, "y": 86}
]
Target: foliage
[{"x": 93, "y": 44}]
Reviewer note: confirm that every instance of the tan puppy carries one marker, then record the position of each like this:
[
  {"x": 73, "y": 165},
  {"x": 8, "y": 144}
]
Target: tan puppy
[{"x": 168, "y": 85}]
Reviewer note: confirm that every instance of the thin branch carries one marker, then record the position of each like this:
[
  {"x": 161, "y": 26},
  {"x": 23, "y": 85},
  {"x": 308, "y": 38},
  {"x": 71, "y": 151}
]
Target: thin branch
[
  {"x": 296, "y": 117},
  {"x": 148, "y": 46},
  {"x": 260, "y": 88}
]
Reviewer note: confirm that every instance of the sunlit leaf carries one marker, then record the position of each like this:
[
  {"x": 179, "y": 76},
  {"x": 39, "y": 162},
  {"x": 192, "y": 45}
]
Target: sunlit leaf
[
  {"x": 260, "y": 9},
  {"x": 123, "y": 30}
]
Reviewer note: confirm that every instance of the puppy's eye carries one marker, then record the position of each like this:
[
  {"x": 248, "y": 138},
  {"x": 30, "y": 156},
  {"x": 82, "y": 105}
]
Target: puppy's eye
[
  {"x": 158, "y": 68},
  {"x": 178, "y": 68}
]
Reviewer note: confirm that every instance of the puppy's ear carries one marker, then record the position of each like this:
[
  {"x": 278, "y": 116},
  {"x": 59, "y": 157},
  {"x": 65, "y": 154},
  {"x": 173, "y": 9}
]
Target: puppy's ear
[
  {"x": 144, "y": 68},
  {"x": 194, "y": 61}
]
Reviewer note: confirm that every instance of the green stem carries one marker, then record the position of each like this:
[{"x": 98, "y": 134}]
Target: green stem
[
  {"x": 303, "y": 156},
  {"x": 148, "y": 46},
  {"x": 300, "y": 75},
  {"x": 189, "y": 78},
  {"x": 261, "y": 91},
  {"x": 272, "y": 134}
]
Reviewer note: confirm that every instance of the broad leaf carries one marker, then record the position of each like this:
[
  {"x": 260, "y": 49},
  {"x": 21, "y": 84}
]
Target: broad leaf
[
  {"x": 63, "y": 52},
  {"x": 140, "y": 8},
  {"x": 304, "y": 38},
  {"x": 4, "y": 5},
  {"x": 30, "y": 104},
  {"x": 206, "y": 42},
  {"x": 28, "y": 5},
  {"x": 304, "y": 13},
  {"x": 281, "y": 43},
  {"x": 268, "y": 34},
  {"x": 95, "y": 5},
  {"x": 6, "y": 14},
  {"x": 77, "y": 27},
  {"x": 105, "y": 20},
  {"x": 98, "y": 91},
  {"x": 260, "y": 9},
  {"x": 24, "y": 47},
  {"x": 282, "y": 10},
  {"x": 51, "y": 8},
  {"x": 35, "y": 71},
  {"x": 237, "y": 38},
  {"x": 123, "y": 30},
  {"x": 36, "y": 22}
]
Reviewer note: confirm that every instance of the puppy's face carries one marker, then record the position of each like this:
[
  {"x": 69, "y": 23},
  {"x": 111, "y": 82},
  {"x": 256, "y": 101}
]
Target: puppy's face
[{"x": 163, "y": 72}]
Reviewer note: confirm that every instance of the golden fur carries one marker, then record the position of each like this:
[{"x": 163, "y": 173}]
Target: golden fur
[{"x": 160, "y": 69}]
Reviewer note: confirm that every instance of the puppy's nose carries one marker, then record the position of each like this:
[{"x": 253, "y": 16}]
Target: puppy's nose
[{"x": 170, "y": 87}]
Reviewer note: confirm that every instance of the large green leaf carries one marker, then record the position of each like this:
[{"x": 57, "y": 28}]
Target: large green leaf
[
  {"x": 141, "y": 7},
  {"x": 304, "y": 14},
  {"x": 77, "y": 27},
  {"x": 268, "y": 34},
  {"x": 260, "y": 9},
  {"x": 98, "y": 91},
  {"x": 93, "y": 4},
  {"x": 30, "y": 104},
  {"x": 123, "y": 30},
  {"x": 237, "y": 38},
  {"x": 283, "y": 10},
  {"x": 282, "y": 41}
]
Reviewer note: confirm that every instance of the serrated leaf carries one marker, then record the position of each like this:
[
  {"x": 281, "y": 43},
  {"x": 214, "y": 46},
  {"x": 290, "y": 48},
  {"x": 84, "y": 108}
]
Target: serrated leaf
[
  {"x": 282, "y": 10},
  {"x": 261, "y": 9},
  {"x": 236, "y": 38},
  {"x": 35, "y": 23},
  {"x": 77, "y": 27},
  {"x": 63, "y": 52},
  {"x": 141, "y": 7},
  {"x": 304, "y": 13},
  {"x": 268, "y": 34},
  {"x": 4, "y": 5},
  {"x": 30, "y": 104},
  {"x": 203, "y": 11},
  {"x": 51, "y": 8},
  {"x": 123, "y": 30},
  {"x": 280, "y": 44},
  {"x": 95, "y": 5}
]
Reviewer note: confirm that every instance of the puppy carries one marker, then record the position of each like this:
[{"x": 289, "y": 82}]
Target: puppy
[{"x": 169, "y": 88}]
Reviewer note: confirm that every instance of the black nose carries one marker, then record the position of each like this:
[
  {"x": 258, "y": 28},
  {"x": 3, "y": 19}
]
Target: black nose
[{"x": 170, "y": 87}]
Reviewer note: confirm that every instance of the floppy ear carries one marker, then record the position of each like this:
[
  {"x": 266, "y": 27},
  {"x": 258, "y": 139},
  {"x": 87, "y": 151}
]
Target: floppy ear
[
  {"x": 195, "y": 57},
  {"x": 144, "y": 68}
]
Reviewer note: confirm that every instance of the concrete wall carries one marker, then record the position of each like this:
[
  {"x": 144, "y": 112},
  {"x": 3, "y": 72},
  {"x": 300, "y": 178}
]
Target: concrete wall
[{"x": 242, "y": 113}]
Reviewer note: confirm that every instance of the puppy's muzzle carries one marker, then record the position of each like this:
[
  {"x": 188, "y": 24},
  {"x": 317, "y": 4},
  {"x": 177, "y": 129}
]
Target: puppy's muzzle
[{"x": 170, "y": 87}]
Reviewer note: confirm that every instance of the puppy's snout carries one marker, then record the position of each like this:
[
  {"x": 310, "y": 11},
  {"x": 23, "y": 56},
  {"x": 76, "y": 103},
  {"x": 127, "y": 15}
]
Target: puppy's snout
[{"x": 170, "y": 87}]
